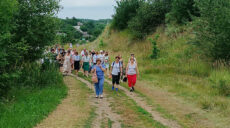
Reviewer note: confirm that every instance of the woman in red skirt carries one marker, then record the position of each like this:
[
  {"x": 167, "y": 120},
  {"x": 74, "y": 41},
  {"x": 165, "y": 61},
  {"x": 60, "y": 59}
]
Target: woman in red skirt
[{"x": 131, "y": 73}]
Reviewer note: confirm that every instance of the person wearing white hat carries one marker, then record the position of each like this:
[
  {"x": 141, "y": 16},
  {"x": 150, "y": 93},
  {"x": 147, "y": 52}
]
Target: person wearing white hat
[{"x": 101, "y": 56}]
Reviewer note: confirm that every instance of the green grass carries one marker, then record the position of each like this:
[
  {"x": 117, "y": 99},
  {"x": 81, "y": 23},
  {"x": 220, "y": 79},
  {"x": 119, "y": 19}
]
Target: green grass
[
  {"x": 181, "y": 69},
  {"x": 141, "y": 116},
  {"x": 89, "y": 121},
  {"x": 110, "y": 123},
  {"x": 30, "y": 105},
  {"x": 149, "y": 101}
]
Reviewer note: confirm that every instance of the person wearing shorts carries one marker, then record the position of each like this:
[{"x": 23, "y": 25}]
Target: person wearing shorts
[{"x": 116, "y": 70}]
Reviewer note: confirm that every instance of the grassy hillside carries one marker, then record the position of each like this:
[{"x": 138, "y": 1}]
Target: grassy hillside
[{"x": 180, "y": 70}]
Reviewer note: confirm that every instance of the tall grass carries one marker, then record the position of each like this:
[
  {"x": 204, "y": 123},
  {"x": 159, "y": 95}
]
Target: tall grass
[
  {"x": 32, "y": 97},
  {"x": 181, "y": 68}
]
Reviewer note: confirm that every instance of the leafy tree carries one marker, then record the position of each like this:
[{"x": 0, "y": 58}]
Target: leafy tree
[
  {"x": 36, "y": 25},
  {"x": 7, "y": 10},
  {"x": 92, "y": 27},
  {"x": 148, "y": 17},
  {"x": 182, "y": 11},
  {"x": 27, "y": 26},
  {"x": 125, "y": 11},
  {"x": 213, "y": 28}
]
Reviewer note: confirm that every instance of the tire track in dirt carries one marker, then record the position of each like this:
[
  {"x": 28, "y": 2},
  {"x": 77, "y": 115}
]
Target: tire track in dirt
[
  {"x": 103, "y": 108},
  {"x": 140, "y": 102}
]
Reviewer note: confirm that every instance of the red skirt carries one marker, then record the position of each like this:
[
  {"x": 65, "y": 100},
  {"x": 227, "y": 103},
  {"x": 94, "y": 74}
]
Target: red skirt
[{"x": 132, "y": 80}]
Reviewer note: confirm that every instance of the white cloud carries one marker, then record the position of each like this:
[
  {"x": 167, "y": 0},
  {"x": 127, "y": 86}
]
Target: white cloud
[{"x": 87, "y": 3}]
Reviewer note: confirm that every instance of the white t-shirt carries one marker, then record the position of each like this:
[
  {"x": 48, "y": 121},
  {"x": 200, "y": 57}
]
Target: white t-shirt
[
  {"x": 77, "y": 58},
  {"x": 94, "y": 58},
  {"x": 70, "y": 45},
  {"x": 85, "y": 58},
  {"x": 82, "y": 53},
  {"x": 116, "y": 68},
  {"x": 101, "y": 57}
]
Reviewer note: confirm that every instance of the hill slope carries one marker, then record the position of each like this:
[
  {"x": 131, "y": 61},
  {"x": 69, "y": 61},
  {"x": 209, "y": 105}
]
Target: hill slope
[{"x": 181, "y": 82}]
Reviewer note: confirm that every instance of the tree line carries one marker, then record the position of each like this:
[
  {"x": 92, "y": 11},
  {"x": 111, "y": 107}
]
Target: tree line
[
  {"x": 93, "y": 27},
  {"x": 210, "y": 21},
  {"x": 27, "y": 27}
]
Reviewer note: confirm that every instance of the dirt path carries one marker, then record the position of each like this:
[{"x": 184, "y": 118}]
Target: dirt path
[
  {"x": 156, "y": 115},
  {"x": 103, "y": 109},
  {"x": 69, "y": 113}
]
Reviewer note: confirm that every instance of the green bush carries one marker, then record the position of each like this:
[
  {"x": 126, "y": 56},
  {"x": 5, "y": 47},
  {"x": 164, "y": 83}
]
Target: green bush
[
  {"x": 27, "y": 27},
  {"x": 155, "y": 50},
  {"x": 125, "y": 11},
  {"x": 182, "y": 11},
  {"x": 101, "y": 44},
  {"x": 220, "y": 80},
  {"x": 212, "y": 28},
  {"x": 150, "y": 15},
  {"x": 34, "y": 74}
]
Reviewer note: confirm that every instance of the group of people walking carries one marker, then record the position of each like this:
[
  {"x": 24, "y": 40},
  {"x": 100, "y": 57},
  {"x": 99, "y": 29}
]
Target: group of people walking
[{"x": 98, "y": 64}]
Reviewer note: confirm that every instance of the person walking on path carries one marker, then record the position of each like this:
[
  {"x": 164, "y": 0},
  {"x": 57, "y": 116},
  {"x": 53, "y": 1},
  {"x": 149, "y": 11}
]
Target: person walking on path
[
  {"x": 67, "y": 63},
  {"x": 94, "y": 59},
  {"x": 72, "y": 56},
  {"x": 107, "y": 63},
  {"x": 83, "y": 52},
  {"x": 91, "y": 61},
  {"x": 131, "y": 73},
  {"x": 116, "y": 71},
  {"x": 99, "y": 68},
  {"x": 101, "y": 56},
  {"x": 122, "y": 66},
  {"x": 133, "y": 56},
  {"x": 86, "y": 64},
  {"x": 77, "y": 60}
]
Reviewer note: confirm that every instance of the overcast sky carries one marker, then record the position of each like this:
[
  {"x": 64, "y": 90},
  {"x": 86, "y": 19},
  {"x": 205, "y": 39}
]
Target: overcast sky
[{"x": 87, "y": 9}]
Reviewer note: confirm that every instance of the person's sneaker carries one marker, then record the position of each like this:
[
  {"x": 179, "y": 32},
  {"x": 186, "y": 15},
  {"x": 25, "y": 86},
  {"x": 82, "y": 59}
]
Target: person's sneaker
[
  {"x": 133, "y": 88},
  {"x": 116, "y": 89},
  {"x": 101, "y": 96},
  {"x": 112, "y": 87},
  {"x": 96, "y": 96}
]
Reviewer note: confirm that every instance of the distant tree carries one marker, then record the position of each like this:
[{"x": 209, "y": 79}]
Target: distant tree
[{"x": 125, "y": 11}]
